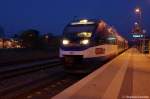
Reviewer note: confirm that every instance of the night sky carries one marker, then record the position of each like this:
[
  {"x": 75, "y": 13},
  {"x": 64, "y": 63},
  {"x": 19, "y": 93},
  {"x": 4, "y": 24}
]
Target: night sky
[{"x": 53, "y": 15}]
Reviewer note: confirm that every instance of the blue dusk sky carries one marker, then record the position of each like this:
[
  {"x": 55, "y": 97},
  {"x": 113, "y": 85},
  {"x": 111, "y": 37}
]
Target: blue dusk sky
[{"x": 53, "y": 15}]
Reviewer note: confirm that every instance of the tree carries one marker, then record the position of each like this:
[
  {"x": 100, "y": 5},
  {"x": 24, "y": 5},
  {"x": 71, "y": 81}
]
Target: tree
[
  {"x": 15, "y": 36},
  {"x": 30, "y": 38},
  {"x": 2, "y": 34}
]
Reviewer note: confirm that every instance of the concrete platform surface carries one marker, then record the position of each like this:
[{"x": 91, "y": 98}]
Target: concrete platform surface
[{"x": 125, "y": 77}]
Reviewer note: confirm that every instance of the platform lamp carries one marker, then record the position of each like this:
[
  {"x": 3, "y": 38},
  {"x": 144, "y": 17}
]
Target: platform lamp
[{"x": 138, "y": 13}]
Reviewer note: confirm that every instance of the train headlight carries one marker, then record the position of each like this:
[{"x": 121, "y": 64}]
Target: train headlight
[
  {"x": 65, "y": 42},
  {"x": 84, "y": 42}
]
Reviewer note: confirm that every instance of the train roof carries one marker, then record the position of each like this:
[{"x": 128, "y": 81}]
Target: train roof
[
  {"x": 95, "y": 22},
  {"x": 116, "y": 33}
]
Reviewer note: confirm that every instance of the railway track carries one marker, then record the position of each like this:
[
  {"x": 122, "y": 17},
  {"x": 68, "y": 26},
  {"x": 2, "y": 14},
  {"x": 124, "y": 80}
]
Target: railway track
[
  {"x": 26, "y": 85},
  {"x": 13, "y": 71},
  {"x": 37, "y": 80},
  {"x": 19, "y": 81},
  {"x": 11, "y": 63},
  {"x": 54, "y": 79},
  {"x": 18, "y": 71},
  {"x": 52, "y": 87}
]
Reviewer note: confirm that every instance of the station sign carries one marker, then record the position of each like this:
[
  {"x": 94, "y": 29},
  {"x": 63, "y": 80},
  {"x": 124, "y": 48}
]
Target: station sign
[{"x": 137, "y": 35}]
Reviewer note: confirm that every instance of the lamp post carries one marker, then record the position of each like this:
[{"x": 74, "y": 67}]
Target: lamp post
[
  {"x": 138, "y": 13},
  {"x": 144, "y": 41}
]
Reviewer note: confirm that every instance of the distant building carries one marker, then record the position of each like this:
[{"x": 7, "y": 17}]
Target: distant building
[
  {"x": 9, "y": 43},
  {"x": 1, "y": 43}
]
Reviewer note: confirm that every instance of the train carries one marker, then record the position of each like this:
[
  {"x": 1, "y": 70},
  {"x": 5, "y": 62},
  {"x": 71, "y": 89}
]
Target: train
[{"x": 88, "y": 41}]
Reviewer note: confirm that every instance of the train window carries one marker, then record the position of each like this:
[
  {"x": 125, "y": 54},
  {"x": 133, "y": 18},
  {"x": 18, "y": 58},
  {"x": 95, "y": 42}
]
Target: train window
[
  {"x": 79, "y": 28},
  {"x": 105, "y": 38},
  {"x": 120, "y": 44},
  {"x": 78, "y": 35},
  {"x": 111, "y": 39},
  {"x": 111, "y": 42},
  {"x": 100, "y": 39},
  {"x": 84, "y": 34},
  {"x": 99, "y": 36}
]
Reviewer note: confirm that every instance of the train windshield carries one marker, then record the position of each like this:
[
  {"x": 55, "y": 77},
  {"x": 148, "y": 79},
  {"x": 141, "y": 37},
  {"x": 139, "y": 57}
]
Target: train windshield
[{"x": 81, "y": 31}]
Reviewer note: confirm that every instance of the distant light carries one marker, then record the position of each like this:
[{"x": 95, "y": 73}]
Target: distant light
[
  {"x": 12, "y": 40},
  {"x": 137, "y": 10},
  {"x": 144, "y": 31},
  {"x": 46, "y": 36},
  {"x": 30, "y": 35},
  {"x": 136, "y": 23},
  {"x": 18, "y": 46}
]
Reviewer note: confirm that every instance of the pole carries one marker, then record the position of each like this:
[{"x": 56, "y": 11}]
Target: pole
[{"x": 138, "y": 12}]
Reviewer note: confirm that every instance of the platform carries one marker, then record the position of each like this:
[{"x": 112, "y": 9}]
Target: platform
[{"x": 126, "y": 76}]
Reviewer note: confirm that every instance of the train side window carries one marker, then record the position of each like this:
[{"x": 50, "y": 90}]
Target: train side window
[
  {"x": 99, "y": 40},
  {"x": 111, "y": 41},
  {"x": 100, "y": 36}
]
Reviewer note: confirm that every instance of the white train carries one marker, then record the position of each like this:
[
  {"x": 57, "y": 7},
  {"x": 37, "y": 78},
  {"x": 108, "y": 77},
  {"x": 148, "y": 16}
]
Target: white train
[{"x": 86, "y": 42}]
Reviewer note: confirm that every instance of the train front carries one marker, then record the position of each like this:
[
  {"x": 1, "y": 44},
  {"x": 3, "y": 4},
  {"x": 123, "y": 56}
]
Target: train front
[{"x": 76, "y": 45}]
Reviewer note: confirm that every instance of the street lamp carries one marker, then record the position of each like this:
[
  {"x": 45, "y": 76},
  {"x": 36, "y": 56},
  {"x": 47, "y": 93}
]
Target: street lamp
[
  {"x": 137, "y": 10},
  {"x": 138, "y": 25},
  {"x": 144, "y": 41}
]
